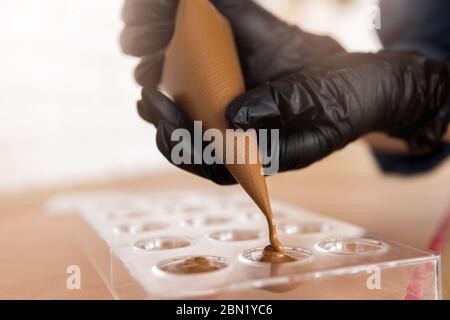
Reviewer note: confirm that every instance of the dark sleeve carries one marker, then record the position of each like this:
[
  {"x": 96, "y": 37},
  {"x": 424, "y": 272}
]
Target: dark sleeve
[
  {"x": 415, "y": 25},
  {"x": 408, "y": 165}
]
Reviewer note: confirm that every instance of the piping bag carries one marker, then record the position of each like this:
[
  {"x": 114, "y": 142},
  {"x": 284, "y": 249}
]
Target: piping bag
[{"x": 202, "y": 73}]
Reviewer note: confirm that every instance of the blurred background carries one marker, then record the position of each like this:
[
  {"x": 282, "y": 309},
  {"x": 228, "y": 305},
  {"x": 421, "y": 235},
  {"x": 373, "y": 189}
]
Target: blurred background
[
  {"x": 67, "y": 94},
  {"x": 68, "y": 118}
]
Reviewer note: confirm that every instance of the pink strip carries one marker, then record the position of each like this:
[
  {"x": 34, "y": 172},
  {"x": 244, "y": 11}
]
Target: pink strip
[{"x": 417, "y": 285}]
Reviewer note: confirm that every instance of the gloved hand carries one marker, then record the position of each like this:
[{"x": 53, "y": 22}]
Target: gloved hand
[
  {"x": 325, "y": 101},
  {"x": 333, "y": 102},
  {"x": 268, "y": 48}
]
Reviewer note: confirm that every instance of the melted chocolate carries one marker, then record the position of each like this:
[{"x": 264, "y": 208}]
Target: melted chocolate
[
  {"x": 277, "y": 259},
  {"x": 275, "y": 251},
  {"x": 274, "y": 256},
  {"x": 194, "y": 265}
]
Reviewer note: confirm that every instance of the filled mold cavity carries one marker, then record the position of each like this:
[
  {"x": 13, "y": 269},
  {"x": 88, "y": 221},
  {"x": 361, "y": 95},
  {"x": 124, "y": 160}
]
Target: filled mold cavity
[
  {"x": 235, "y": 235},
  {"x": 126, "y": 228},
  {"x": 162, "y": 243},
  {"x": 304, "y": 228},
  {"x": 255, "y": 255},
  {"x": 191, "y": 265},
  {"x": 352, "y": 247}
]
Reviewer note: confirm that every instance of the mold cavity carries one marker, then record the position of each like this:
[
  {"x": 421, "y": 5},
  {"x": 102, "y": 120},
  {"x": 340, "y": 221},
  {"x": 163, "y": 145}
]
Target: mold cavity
[
  {"x": 136, "y": 214},
  {"x": 303, "y": 228},
  {"x": 194, "y": 209},
  {"x": 279, "y": 214},
  {"x": 192, "y": 265},
  {"x": 251, "y": 215},
  {"x": 132, "y": 214},
  {"x": 352, "y": 247},
  {"x": 235, "y": 235},
  {"x": 161, "y": 243},
  {"x": 147, "y": 227},
  {"x": 254, "y": 256},
  {"x": 138, "y": 228},
  {"x": 169, "y": 209},
  {"x": 205, "y": 221},
  {"x": 112, "y": 215},
  {"x": 245, "y": 205}
]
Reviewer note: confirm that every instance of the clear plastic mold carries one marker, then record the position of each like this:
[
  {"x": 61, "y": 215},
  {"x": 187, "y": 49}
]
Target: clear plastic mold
[
  {"x": 136, "y": 240},
  {"x": 161, "y": 243}
]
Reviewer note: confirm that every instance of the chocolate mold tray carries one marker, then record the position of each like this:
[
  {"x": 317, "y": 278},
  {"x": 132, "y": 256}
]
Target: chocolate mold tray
[{"x": 140, "y": 243}]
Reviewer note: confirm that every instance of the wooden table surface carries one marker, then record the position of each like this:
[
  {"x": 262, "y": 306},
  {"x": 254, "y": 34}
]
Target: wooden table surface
[{"x": 36, "y": 249}]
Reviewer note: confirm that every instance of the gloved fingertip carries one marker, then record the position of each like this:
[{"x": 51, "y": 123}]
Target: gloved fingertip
[
  {"x": 139, "y": 12},
  {"x": 149, "y": 70},
  {"x": 154, "y": 97},
  {"x": 164, "y": 141},
  {"x": 144, "y": 113},
  {"x": 220, "y": 175},
  {"x": 237, "y": 114},
  {"x": 143, "y": 40},
  {"x": 153, "y": 105},
  {"x": 163, "y": 108},
  {"x": 255, "y": 109}
]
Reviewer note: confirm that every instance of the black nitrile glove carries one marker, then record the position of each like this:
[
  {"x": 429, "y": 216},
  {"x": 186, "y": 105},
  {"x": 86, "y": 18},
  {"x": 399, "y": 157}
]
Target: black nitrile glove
[
  {"x": 268, "y": 48},
  {"x": 333, "y": 102},
  {"x": 320, "y": 100}
]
